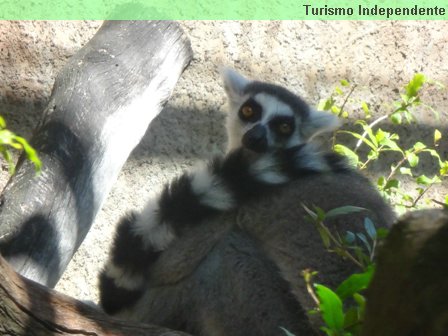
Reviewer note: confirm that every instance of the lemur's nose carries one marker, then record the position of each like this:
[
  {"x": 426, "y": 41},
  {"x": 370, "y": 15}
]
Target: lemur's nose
[{"x": 255, "y": 139}]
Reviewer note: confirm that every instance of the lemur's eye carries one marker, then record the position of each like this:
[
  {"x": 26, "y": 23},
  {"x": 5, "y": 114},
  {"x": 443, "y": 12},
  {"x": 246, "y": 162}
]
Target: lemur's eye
[
  {"x": 250, "y": 111},
  {"x": 282, "y": 125},
  {"x": 285, "y": 128},
  {"x": 247, "y": 111}
]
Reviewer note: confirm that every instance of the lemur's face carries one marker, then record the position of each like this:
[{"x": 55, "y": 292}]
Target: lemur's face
[
  {"x": 266, "y": 123},
  {"x": 266, "y": 117}
]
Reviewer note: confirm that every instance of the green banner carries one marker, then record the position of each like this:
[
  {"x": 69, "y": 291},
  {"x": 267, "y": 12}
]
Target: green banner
[{"x": 222, "y": 10}]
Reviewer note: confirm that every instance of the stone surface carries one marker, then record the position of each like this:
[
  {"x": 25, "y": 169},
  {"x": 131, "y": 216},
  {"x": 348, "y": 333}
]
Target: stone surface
[{"x": 309, "y": 57}]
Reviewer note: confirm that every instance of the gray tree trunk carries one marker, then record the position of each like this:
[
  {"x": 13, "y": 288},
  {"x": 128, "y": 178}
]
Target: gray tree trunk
[{"x": 101, "y": 105}]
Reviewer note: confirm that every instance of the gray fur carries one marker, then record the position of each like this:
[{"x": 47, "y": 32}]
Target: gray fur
[
  {"x": 208, "y": 268},
  {"x": 238, "y": 272}
]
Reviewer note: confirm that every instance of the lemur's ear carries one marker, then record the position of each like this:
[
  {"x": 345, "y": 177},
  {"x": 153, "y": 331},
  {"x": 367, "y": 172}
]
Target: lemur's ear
[
  {"x": 319, "y": 122},
  {"x": 234, "y": 83}
]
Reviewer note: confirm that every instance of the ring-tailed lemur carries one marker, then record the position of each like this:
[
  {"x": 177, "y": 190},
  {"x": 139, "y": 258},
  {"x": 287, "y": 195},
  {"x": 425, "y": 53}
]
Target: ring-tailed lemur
[{"x": 219, "y": 251}]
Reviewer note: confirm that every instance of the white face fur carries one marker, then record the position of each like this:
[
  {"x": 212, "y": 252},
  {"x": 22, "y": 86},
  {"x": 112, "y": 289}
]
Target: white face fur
[{"x": 265, "y": 117}]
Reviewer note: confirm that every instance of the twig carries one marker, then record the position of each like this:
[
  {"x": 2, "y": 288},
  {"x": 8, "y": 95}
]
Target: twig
[
  {"x": 348, "y": 96},
  {"x": 393, "y": 171},
  {"x": 342, "y": 109},
  {"x": 307, "y": 275},
  {"x": 421, "y": 195},
  {"x": 339, "y": 245},
  {"x": 377, "y": 121},
  {"x": 444, "y": 205},
  {"x": 364, "y": 165}
]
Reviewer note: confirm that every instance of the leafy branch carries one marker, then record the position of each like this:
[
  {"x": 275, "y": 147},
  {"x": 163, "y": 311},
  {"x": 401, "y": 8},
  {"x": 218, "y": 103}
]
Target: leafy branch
[
  {"x": 8, "y": 141},
  {"x": 342, "y": 310},
  {"x": 380, "y": 142}
]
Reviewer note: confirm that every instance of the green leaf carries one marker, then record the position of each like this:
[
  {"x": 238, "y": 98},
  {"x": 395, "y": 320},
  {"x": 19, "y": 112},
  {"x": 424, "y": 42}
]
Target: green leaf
[
  {"x": 324, "y": 236},
  {"x": 320, "y": 213},
  {"x": 444, "y": 168},
  {"x": 414, "y": 86},
  {"x": 380, "y": 135},
  {"x": 2, "y": 123},
  {"x": 381, "y": 182},
  {"x": 30, "y": 153},
  {"x": 405, "y": 171},
  {"x": 409, "y": 116},
  {"x": 344, "y": 82},
  {"x": 355, "y": 283},
  {"x": 405, "y": 98},
  {"x": 331, "y": 307},
  {"x": 396, "y": 118},
  {"x": 351, "y": 155},
  {"x": 392, "y": 183},
  {"x": 368, "y": 129},
  {"x": 397, "y": 104},
  {"x": 366, "y": 243},
  {"x": 349, "y": 238},
  {"x": 361, "y": 301},
  {"x": 391, "y": 145},
  {"x": 344, "y": 210},
  {"x": 419, "y": 146},
  {"x": 412, "y": 159},
  {"x": 335, "y": 110},
  {"x": 386, "y": 139},
  {"x": 325, "y": 104},
  {"x": 434, "y": 153},
  {"x": 370, "y": 228},
  {"x": 338, "y": 91},
  {"x": 8, "y": 138},
  {"x": 424, "y": 180},
  {"x": 408, "y": 198},
  {"x": 437, "y": 137},
  {"x": 365, "y": 108},
  {"x": 360, "y": 137},
  {"x": 382, "y": 233},
  {"x": 328, "y": 331}
]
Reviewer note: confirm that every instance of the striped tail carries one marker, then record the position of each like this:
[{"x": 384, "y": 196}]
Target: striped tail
[{"x": 221, "y": 185}]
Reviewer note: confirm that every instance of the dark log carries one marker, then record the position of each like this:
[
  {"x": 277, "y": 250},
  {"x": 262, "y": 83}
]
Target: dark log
[
  {"x": 409, "y": 292},
  {"x": 28, "y": 308},
  {"x": 101, "y": 105}
]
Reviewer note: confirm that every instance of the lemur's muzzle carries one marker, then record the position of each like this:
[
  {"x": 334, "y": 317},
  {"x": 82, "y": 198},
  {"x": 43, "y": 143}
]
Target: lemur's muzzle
[{"x": 255, "y": 139}]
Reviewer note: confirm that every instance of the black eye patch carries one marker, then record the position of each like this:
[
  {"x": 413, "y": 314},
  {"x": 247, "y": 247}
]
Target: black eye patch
[
  {"x": 282, "y": 125},
  {"x": 250, "y": 111}
]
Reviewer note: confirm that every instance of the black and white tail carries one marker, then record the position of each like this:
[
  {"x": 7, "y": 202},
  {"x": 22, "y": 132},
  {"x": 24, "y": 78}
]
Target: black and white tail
[{"x": 219, "y": 186}]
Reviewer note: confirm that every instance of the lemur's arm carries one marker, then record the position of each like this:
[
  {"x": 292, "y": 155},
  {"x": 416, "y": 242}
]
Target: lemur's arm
[{"x": 219, "y": 186}]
